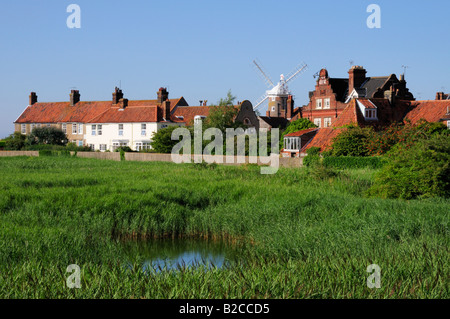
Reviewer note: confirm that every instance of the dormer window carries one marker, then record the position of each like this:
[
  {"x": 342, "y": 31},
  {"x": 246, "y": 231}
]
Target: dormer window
[{"x": 371, "y": 114}]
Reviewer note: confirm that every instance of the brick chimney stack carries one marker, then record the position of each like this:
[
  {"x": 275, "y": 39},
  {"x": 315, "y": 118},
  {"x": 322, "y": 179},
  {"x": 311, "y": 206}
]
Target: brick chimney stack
[
  {"x": 162, "y": 95},
  {"x": 123, "y": 103},
  {"x": 166, "y": 110},
  {"x": 290, "y": 107},
  {"x": 356, "y": 77},
  {"x": 33, "y": 98},
  {"x": 74, "y": 97},
  {"x": 442, "y": 96},
  {"x": 117, "y": 95}
]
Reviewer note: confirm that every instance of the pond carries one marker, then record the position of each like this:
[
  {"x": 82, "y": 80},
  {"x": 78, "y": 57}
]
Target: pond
[{"x": 173, "y": 254}]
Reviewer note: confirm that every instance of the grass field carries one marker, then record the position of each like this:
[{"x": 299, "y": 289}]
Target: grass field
[{"x": 303, "y": 234}]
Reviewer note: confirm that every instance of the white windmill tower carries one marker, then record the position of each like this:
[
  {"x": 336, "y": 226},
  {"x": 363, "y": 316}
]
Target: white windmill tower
[{"x": 280, "y": 98}]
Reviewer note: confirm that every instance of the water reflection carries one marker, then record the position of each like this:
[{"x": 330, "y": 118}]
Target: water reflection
[{"x": 173, "y": 254}]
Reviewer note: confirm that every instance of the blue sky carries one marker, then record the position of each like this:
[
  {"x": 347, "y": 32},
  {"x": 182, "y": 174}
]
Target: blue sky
[{"x": 201, "y": 49}]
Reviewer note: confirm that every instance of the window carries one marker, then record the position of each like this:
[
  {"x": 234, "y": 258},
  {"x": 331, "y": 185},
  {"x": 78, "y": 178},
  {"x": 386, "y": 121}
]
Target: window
[
  {"x": 33, "y": 126},
  {"x": 142, "y": 146},
  {"x": 327, "y": 103},
  {"x": 292, "y": 143},
  {"x": 38, "y": 125},
  {"x": 74, "y": 128},
  {"x": 448, "y": 125},
  {"x": 273, "y": 108},
  {"x": 247, "y": 121},
  {"x": 94, "y": 130},
  {"x": 318, "y": 122},
  {"x": 371, "y": 114},
  {"x": 116, "y": 145},
  {"x": 120, "y": 129},
  {"x": 48, "y": 125},
  {"x": 318, "y": 103},
  {"x": 143, "y": 129},
  {"x": 23, "y": 128},
  {"x": 80, "y": 143},
  {"x": 102, "y": 147},
  {"x": 99, "y": 129},
  {"x": 327, "y": 122},
  {"x": 80, "y": 128},
  {"x": 64, "y": 128},
  {"x": 92, "y": 147},
  {"x": 165, "y": 125}
]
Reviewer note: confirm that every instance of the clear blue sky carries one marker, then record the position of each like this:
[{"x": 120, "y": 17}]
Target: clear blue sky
[{"x": 201, "y": 49}]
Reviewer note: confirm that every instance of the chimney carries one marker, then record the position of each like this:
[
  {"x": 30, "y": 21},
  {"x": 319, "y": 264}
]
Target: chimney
[
  {"x": 356, "y": 77},
  {"x": 33, "y": 98},
  {"x": 201, "y": 102},
  {"x": 117, "y": 95},
  {"x": 162, "y": 95},
  {"x": 439, "y": 95},
  {"x": 123, "y": 103},
  {"x": 166, "y": 110},
  {"x": 290, "y": 107},
  {"x": 205, "y": 102},
  {"x": 74, "y": 97}
]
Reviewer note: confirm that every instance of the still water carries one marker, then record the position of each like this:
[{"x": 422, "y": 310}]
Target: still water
[{"x": 173, "y": 254}]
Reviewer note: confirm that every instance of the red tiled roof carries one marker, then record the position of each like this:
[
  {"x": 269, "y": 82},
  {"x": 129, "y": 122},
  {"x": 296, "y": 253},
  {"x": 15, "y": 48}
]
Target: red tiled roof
[
  {"x": 300, "y": 133},
  {"x": 367, "y": 104},
  {"x": 350, "y": 115},
  {"x": 323, "y": 138},
  {"x": 189, "y": 112},
  {"x": 56, "y": 112},
  {"x": 128, "y": 115},
  {"x": 85, "y": 112},
  {"x": 431, "y": 111}
]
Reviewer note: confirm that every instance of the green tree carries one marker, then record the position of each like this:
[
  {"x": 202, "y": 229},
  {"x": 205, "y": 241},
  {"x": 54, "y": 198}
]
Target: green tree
[
  {"x": 352, "y": 142},
  {"x": 162, "y": 140},
  {"x": 47, "y": 135},
  {"x": 15, "y": 141},
  {"x": 222, "y": 115}
]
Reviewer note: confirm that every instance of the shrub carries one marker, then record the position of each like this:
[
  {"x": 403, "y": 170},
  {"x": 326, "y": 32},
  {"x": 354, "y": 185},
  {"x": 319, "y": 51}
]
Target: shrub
[
  {"x": 381, "y": 142},
  {"x": 15, "y": 142},
  {"x": 162, "y": 140},
  {"x": 125, "y": 149},
  {"x": 311, "y": 160},
  {"x": 313, "y": 150},
  {"x": 352, "y": 142},
  {"x": 321, "y": 172},
  {"x": 343, "y": 162},
  {"x": 421, "y": 170},
  {"x": 47, "y": 135},
  {"x": 2, "y": 144}
]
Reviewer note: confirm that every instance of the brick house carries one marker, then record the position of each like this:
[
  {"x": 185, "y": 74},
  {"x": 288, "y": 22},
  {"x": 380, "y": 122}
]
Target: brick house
[{"x": 332, "y": 95}]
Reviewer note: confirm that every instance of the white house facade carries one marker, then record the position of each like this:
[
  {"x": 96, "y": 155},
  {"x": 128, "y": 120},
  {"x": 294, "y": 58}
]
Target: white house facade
[{"x": 110, "y": 136}]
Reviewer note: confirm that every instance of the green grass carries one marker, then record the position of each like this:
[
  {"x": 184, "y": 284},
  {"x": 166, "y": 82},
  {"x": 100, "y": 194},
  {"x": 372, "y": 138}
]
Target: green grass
[{"x": 307, "y": 234}]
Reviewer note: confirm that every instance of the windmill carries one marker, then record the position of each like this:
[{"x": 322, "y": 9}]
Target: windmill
[{"x": 278, "y": 94}]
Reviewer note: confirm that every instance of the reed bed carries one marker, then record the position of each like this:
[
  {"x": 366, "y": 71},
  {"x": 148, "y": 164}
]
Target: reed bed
[{"x": 302, "y": 234}]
